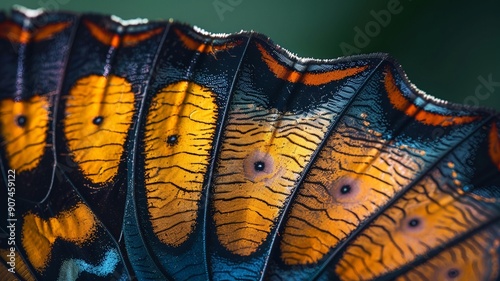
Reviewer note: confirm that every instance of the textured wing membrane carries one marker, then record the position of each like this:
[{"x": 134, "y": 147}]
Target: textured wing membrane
[
  {"x": 367, "y": 161},
  {"x": 273, "y": 128},
  {"x": 434, "y": 212},
  {"x": 262, "y": 156},
  {"x": 98, "y": 109},
  {"x": 440, "y": 206},
  {"x": 189, "y": 156},
  {"x": 57, "y": 235},
  {"x": 177, "y": 140},
  {"x": 356, "y": 174},
  {"x": 269, "y": 151},
  {"x": 465, "y": 261},
  {"x": 30, "y": 80}
]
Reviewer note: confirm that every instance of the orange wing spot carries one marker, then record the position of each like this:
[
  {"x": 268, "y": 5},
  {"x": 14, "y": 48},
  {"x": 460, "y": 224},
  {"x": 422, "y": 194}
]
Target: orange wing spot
[
  {"x": 130, "y": 40},
  {"x": 494, "y": 145},
  {"x": 15, "y": 33},
  {"x": 399, "y": 102},
  {"x": 76, "y": 225},
  {"x": 307, "y": 78},
  {"x": 48, "y": 31},
  {"x": 99, "y": 113},
  {"x": 196, "y": 46},
  {"x": 102, "y": 35},
  {"x": 115, "y": 40},
  {"x": 23, "y": 127}
]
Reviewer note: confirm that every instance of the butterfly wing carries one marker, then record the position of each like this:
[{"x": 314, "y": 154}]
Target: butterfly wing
[{"x": 155, "y": 150}]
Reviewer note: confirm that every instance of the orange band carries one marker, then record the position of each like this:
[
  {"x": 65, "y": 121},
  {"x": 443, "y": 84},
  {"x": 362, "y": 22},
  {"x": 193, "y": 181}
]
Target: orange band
[
  {"x": 308, "y": 78},
  {"x": 399, "y": 102}
]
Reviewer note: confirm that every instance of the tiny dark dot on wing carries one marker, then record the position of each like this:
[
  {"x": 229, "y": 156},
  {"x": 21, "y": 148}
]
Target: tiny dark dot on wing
[
  {"x": 21, "y": 120},
  {"x": 345, "y": 189},
  {"x": 98, "y": 120},
  {"x": 453, "y": 273},
  {"x": 172, "y": 140},
  {"x": 414, "y": 222},
  {"x": 259, "y": 166}
]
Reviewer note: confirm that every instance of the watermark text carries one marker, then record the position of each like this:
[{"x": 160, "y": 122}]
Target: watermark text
[{"x": 11, "y": 220}]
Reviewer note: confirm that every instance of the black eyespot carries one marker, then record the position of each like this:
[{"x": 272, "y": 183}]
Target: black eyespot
[
  {"x": 98, "y": 120},
  {"x": 21, "y": 120},
  {"x": 453, "y": 273},
  {"x": 345, "y": 189},
  {"x": 259, "y": 166},
  {"x": 414, "y": 222},
  {"x": 172, "y": 140}
]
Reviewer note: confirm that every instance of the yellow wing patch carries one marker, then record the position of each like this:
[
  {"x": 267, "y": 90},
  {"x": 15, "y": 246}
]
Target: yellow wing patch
[
  {"x": 262, "y": 157},
  {"x": 99, "y": 113},
  {"x": 356, "y": 173},
  {"x": 76, "y": 225},
  {"x": 24, "y": 126},
  {"x": 178, "y": 141}
]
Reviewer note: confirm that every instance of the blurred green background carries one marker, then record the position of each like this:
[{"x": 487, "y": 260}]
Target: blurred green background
[{"x": 450, "y": 49}]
